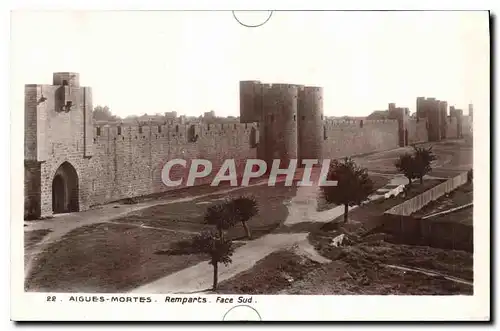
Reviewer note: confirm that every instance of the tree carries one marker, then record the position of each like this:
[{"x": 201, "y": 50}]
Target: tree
[
  {"x": 245, "y": 208},
  {"x": 222, "y": 216},
  {"x": 101, "y": 113},
  {"x": 219, "y": 249},
  {"x": 422, "y": 161},
  {"x": 406, "y": 165},
  {"x": 353, "y": 184}
]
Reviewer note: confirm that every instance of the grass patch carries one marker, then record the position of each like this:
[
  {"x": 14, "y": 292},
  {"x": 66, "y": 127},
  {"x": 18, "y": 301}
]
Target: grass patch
[
  {"x": 270, "y": 275},
  {"x": 33, "y": 237},
  {"x": 189, "y": 216},
  {"x": 107, "y": 258}
]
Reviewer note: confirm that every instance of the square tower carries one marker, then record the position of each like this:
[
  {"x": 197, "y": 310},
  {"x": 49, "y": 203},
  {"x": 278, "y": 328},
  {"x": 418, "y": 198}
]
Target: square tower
[{"x": 58, "y": 143}]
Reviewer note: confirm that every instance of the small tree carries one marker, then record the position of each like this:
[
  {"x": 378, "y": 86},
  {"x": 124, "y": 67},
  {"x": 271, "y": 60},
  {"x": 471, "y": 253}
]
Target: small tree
[
  {"x": 406, "y": 165},
  {"x": 422, "y": 161},
  {"x": 245, "y": 208},
  {"x": 219, "y": 249},
  {"x": 353, "y": 184},
  {"x": 222, "y": 216}
]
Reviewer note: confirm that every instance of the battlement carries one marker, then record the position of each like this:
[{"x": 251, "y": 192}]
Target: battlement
[
  {"x": 283, "y": 86},
  {"x": 329, "y": 123},
  {"x": 156, "y": 130},
  {"x": 280, "y": 87}
]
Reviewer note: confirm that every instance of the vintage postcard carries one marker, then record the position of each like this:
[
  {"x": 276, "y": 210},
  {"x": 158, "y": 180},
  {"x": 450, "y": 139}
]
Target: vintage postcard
[{"x": 250, "y": 165}]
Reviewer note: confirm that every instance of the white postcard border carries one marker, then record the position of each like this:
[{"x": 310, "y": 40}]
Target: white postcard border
[{"x": 34, "y": 306}]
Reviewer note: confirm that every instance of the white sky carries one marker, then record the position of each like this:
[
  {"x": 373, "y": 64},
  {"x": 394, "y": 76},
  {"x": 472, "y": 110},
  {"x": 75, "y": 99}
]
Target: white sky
[{"x": 191, "y": 62}]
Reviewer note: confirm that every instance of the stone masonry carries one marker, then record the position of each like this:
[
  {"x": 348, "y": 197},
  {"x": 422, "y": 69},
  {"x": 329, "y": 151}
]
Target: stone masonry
[{"x": 73, "y": 163}]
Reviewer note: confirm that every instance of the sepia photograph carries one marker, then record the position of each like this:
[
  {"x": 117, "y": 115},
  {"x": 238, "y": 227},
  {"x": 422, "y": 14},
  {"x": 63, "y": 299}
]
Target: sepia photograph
[{"x": 219, "y": 156}]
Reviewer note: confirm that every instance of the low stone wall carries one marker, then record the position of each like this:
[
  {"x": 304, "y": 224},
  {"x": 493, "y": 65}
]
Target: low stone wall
[{"x": 416, "y": 203}]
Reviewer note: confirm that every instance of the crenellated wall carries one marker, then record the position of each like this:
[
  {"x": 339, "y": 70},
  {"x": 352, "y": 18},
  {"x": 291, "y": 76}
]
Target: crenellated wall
[
  {"x": 100, "y": 162},
  {"x": 130, "y": 163},
  {"x": 127, "y": 160},
  {"x": 112, "y": 161}
]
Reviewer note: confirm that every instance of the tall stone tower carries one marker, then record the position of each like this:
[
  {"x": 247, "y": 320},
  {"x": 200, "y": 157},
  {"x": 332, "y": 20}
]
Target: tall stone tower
[
  {"x": 310, "y": 123},
  {"x": 58, "y": 141},
  {"x": 279, "y": 122},
  {"x": 290, "y": 120}
]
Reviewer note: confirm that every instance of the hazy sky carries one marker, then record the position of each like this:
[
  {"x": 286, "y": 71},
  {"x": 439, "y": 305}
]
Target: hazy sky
[{"x": 191, "y": 62}]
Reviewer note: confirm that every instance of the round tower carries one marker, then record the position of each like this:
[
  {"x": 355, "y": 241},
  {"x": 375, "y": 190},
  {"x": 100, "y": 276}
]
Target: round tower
[
  {"x": 279, "y": 122},
  {"x": 310, "y": 123}
]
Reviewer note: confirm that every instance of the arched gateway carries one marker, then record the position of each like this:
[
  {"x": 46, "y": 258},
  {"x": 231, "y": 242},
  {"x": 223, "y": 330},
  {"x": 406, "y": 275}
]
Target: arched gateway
[{"x": 65, "y": 190}]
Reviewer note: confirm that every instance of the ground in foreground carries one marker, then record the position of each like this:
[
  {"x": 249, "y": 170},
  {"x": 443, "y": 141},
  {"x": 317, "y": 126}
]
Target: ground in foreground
[
  {"x": 372, "y": 268},
  {"x": 107, "y": 258}
]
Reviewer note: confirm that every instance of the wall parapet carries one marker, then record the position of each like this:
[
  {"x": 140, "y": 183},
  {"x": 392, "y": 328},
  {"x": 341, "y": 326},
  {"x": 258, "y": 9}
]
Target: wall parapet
[
  {"x": 332, "y": 123},
  {"x": 124, "y": 129}
]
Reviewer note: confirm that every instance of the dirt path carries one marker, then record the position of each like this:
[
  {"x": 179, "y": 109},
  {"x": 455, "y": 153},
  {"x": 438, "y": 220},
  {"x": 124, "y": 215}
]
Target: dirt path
[{"x": 198, "y": 278}]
